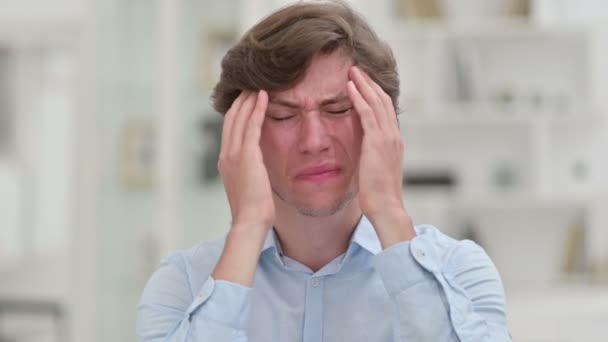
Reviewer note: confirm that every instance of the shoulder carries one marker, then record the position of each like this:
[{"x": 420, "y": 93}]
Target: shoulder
[
  {"x": 199, "y": 258},
  {"x": 190, "y": 266},
  {"x": 172, "y": 287}
]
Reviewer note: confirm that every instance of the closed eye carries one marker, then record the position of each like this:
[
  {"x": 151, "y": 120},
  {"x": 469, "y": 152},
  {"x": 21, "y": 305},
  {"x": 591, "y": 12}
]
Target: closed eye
[
  {"x": 337, "y": 112},
  {"x": 278, "y": 118}
]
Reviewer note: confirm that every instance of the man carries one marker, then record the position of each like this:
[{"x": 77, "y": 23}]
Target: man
[{"x": 321, "y": 247}]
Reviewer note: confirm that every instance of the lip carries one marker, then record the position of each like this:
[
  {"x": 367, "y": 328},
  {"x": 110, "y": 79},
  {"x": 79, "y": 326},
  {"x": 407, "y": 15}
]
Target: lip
[{"x": 319, "y": 173}]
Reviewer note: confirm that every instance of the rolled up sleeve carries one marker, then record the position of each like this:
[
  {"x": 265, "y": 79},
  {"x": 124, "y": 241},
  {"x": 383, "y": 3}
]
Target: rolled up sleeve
[
  {"x": 169, "y": 310},
  {"x": 443, "y": 289}
]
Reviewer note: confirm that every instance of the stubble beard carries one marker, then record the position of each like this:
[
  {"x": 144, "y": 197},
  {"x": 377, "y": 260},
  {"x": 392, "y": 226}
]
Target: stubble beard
[{"x": 339, "y": 204}]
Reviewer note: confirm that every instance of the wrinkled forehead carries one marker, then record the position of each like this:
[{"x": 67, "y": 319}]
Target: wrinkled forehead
[{"x": 325, "y": 79}]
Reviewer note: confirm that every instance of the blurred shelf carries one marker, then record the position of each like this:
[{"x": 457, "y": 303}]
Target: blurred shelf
[
  {"x": 27, "y": 309},
  {"x": 493, "y": 28},
  {"x": 519, "y": 202},
  {"x": 498, "y": 202},
  {"x": 472, "y": 115}
]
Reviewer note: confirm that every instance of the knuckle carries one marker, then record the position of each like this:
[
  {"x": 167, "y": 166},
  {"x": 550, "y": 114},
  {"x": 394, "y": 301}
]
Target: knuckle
[
  {"x": 368, "y": 110},
  {"x": 376, "y": 101},
  {"x": 227, "y": 157},
  {"x": 386, "y": 98},
  {"x": 397, "y": 143},
  {"x": 396, "y": 138},
  {"x": 375, "y": 140}
]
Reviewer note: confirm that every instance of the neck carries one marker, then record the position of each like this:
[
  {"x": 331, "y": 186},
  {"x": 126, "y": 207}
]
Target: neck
[{"x": 316, "y": 241}]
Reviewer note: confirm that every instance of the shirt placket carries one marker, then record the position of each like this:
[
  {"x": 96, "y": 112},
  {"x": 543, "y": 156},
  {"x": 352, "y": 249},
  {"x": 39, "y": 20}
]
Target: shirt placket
[{"x": 313, "y": 317}]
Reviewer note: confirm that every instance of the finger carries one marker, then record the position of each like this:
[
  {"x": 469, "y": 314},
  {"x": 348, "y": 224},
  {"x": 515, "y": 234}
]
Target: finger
[
  {"x": 229, "y": 117},
  {"x": 366, "y": 115},
  {"x": 240, "y": 121},
  {"x": 254, "y": 129},
  {"x": 389, "y": 108},
  {"x": 370, "y": 95}
]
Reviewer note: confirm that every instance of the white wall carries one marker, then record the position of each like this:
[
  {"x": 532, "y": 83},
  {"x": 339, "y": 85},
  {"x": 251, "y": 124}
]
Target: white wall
[{"x": 40, "y": 10}]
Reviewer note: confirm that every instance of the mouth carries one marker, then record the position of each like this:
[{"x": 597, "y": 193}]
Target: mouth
[{"x": 319, "y": 174}]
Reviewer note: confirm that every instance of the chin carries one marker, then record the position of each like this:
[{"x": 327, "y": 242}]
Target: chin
[{"x": 325, "y": 207}]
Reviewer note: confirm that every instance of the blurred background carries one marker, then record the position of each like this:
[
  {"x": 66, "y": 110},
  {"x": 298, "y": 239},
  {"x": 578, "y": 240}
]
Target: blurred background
[{"x": 108, "y": 149}]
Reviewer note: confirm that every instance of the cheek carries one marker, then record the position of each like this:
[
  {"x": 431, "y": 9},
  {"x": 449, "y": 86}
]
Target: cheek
[
  {"x": 352, "y": 135},
  {"x": 357, "y": 129},
  {"x": 274, "y": 144},
  {"x": 272, "y": 138}
]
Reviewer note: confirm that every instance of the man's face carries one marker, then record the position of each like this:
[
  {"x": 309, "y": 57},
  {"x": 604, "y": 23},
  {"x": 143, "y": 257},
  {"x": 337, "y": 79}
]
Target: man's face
[{"x": 312, "y": 154}]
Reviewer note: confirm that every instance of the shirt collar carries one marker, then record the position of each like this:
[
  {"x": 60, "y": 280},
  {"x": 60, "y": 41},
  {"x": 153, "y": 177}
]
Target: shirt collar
[
  {"x": 365, "y": 236},
  {"x": 272, "y": 241}
]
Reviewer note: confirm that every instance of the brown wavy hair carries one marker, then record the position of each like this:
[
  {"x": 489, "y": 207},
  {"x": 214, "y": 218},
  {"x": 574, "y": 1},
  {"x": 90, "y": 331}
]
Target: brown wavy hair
[{"x": 275, "y": 53}]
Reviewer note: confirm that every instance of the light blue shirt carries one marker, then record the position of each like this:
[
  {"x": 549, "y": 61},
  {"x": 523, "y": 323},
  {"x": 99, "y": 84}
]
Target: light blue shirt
[{"x": 432, "y": 288}]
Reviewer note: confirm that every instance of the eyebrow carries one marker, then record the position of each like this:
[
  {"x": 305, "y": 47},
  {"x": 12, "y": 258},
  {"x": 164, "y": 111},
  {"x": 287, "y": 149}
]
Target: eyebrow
[
  {"x": 332, "y": 100},
  {"x": 335, "y": 99}
]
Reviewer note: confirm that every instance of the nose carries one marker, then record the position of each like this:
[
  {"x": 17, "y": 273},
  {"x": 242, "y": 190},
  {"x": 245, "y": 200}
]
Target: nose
[{"x": 313, "y": 134}]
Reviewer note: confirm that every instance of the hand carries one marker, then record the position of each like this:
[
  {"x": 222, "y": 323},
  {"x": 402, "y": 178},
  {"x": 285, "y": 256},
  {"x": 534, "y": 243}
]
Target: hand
[
  {"x": 241, "y": 164},
  {"x": 247, "y": 187},
  {"x": 381, "y": 161}
]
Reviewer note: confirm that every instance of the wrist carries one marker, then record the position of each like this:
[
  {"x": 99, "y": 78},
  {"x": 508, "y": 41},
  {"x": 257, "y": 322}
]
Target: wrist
[
  {"x": 249, "y": 231},
  {"x": 393, "y": 226},
  {"x": 239, "y": 258}
]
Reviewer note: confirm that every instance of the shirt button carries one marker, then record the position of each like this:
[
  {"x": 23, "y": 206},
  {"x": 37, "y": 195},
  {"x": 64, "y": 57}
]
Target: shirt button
[
  {"x": 420, "y": 253},
  {"x": 315, "y": 282}
]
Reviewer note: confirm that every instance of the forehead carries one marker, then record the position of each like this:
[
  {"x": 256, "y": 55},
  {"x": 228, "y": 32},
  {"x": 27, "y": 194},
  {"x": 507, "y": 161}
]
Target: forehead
[{"x": 326, "y": 77}]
